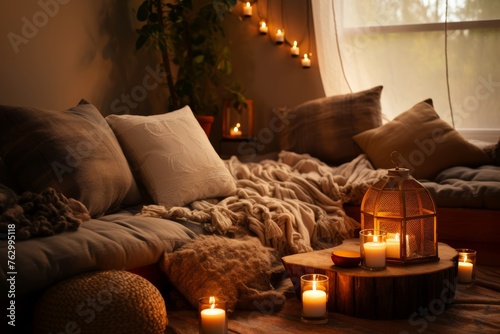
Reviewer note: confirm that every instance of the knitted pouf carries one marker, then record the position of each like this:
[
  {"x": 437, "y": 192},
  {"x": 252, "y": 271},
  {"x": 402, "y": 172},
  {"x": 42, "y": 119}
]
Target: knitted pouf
[{"x": 101, "y": 302}]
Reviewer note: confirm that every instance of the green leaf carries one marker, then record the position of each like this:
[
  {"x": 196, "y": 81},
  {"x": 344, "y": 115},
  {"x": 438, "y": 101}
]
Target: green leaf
[
  {"x": 141, "y": 40},
  {"x": 198, "y": 59},
  {"x": 143, "y": 12}
]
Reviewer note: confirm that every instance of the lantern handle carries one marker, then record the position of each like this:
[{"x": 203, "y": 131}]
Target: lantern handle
[{"x": 394, "y": 155}]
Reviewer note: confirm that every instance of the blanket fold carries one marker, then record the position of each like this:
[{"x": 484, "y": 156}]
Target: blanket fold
[
  {"x": 39, "y": 214},
  {"x": 293, "y": 204}
]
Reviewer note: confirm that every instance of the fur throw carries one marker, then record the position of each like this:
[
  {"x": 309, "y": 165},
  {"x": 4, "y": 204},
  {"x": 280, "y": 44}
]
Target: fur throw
[
  {"x": 238, "y": 270},
  {"x": 39, "y": 214}
]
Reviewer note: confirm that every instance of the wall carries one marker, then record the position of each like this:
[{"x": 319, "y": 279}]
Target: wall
[{"x": 55, "y": 52}]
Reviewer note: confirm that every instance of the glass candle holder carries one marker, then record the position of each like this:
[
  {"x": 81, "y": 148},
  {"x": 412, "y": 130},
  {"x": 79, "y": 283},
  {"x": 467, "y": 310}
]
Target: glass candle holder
[
  {"x": 373, "y": 249},
  {"x": 466, "y": 265},
  {"x": 314, "y": 292},
  {"x": 212, "y": 315}
]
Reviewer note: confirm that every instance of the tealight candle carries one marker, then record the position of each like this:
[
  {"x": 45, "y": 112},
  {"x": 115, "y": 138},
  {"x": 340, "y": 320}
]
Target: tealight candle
[
  {"x": 280, "y": 37},
  {"x": 314, "y": 288},
  {"x": 294, "y": 50},
  {"x": 466, "y": 265},
  {"x": 372, "y": 249},
  {"x": 263, "y": 27},
  {"x": 306, "y": 62},
  {"x": 235, "y": 131},
  {"x": 247, "y": 9},
  {"x": 212, "y": 316}
]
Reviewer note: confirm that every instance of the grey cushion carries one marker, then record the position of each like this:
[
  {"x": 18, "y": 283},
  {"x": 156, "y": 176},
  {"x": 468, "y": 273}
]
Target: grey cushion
[
  {"x": 73, "y": 151},
  {"x": 324, "y": 127},
  {"x": 121, "y": 240}
]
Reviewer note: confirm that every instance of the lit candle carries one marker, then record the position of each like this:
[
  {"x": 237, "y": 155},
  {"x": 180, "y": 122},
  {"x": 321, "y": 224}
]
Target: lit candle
[
  {"x": 235, "y": 131},
  {"x": 263, "y": 27},
  {"x": 392, "y": 247},
  {"x": 294, "y": 50},
  {"x": 280, "y": 37},
  {"x": 247, "y": 9},
  {"x": 306, "y": 62},
  {"x": 374, "y": 254},
  {"x": 314, "y": 302},
  {"x": 465, "y": 270},
  {"x": 213, "y": 320}
]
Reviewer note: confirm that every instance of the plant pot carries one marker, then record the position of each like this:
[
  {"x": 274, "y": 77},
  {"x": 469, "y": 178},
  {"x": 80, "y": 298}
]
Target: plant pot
[{"x": 206, "y": 123}]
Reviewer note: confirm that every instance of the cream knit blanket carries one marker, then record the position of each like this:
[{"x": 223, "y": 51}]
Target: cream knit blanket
[{"x": 294, "y": 204}]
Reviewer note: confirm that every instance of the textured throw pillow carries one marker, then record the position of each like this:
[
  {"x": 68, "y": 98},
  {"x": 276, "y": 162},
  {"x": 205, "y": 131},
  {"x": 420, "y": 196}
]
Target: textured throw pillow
[
  {"x": 426, "y": 143},
  {"x": 238, "y": 270},
  {"x": 173, "y": 156},
  {"x": 73, "y": 151},
  {"x": 324, "y": 127}
]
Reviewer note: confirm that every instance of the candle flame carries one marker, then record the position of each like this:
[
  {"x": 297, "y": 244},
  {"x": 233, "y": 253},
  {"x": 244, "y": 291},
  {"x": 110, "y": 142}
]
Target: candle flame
[
  {"x": 314, "y": 285},
  {"x": 279, "y": 31},
  {"x": 294, "y": 43},
  {"x": 248, "y": 4},
  {"x": 375, "y": 238},
  {"x": 465, "y": 258},
  {"x": 263, "y": 24},
  {"x": 211, "y": 301},
  {"x": 305, "y": 56}
]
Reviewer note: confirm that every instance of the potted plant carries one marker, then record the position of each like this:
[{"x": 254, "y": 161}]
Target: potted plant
[{"x": 189, "y": 34}]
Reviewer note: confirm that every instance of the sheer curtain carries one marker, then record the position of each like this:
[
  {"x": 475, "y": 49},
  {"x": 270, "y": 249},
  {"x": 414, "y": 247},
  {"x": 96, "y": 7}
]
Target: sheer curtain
[{"x": 416, "y": 49}]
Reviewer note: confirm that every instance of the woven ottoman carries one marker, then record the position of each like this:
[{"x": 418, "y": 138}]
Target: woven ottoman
[{"x": 101, "y": 302}]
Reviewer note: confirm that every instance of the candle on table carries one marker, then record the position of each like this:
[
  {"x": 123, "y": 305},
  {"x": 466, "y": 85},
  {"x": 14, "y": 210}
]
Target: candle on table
[
  {"x": 306, "y": 62},
  {"x": 314, "y": 302},
  {"x": 235, "y": 131},
  {"x": 247, "y": 9},
  {"x": 392, "y": 247},
  {"x": 280, "y": 37},
  {"x": 294, "y": 50},
  {"x": 465, "y": 270},
  {"x": 213, "y": 320},
  {"x": 375, "y": 254},
  {"x": 263, "y": 27}
]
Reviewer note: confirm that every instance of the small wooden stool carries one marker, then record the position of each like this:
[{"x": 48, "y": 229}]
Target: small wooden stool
[
  {"x": 395, "y": 293},
  {"x": 101, "y": 302}
]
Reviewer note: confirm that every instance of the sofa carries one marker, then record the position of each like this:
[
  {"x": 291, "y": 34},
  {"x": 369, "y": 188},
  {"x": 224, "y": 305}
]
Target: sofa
[{"x": 144, "y": 187}]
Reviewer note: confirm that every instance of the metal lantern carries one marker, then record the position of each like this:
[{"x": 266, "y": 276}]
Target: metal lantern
[{"x": 405, "y": 210}]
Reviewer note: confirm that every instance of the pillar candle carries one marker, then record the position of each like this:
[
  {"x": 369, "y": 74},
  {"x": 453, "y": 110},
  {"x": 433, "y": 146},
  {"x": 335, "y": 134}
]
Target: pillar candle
[
  {"x": 280, "y": 37},
  {"x": 294, "y": 50},
  {"x": 263, "y": 27},
  {"x": 213, "y": 321},
  {"x": 393, "y": 247},
  {"x": 247, "y": 9},
  {"x": 465, "y": 270},
  {"x": 306, "y": 62},
  {"x": 375, "y": 254},
  {"x": 314, "y": 303}
]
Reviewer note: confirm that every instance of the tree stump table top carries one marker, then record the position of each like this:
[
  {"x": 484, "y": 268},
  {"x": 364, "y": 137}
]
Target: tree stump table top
[{"x": 394, "y": 293}]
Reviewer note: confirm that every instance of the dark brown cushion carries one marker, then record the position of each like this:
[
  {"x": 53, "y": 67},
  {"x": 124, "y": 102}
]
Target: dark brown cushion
[
  {"x": 73, "y": 151},
  {"x": 427, "y": 144},
  {"x": 324, "y": 127}
]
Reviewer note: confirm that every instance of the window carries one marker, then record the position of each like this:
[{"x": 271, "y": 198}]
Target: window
[{"x": 446, "y": 50}]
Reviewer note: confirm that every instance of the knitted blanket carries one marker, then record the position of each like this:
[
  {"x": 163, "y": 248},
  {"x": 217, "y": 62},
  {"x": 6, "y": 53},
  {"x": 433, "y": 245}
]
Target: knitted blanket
[
  {"x": 39, "y": 214},
  {"x": 293, "y": 204}
]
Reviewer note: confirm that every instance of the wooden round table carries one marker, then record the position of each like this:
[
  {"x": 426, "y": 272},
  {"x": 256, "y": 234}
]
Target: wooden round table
[{"x": 396, "y": 292}]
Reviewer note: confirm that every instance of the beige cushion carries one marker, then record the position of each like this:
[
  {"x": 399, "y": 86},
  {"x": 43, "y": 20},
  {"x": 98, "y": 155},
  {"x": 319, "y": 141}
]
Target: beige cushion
[
  {"x": 73, "y": 151},
  {"x": 173, "y": 157},
  {"x": 427, "y": 144},
  {"x": 324, "y": 127},
  {"x": 238, "y": 270}
]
